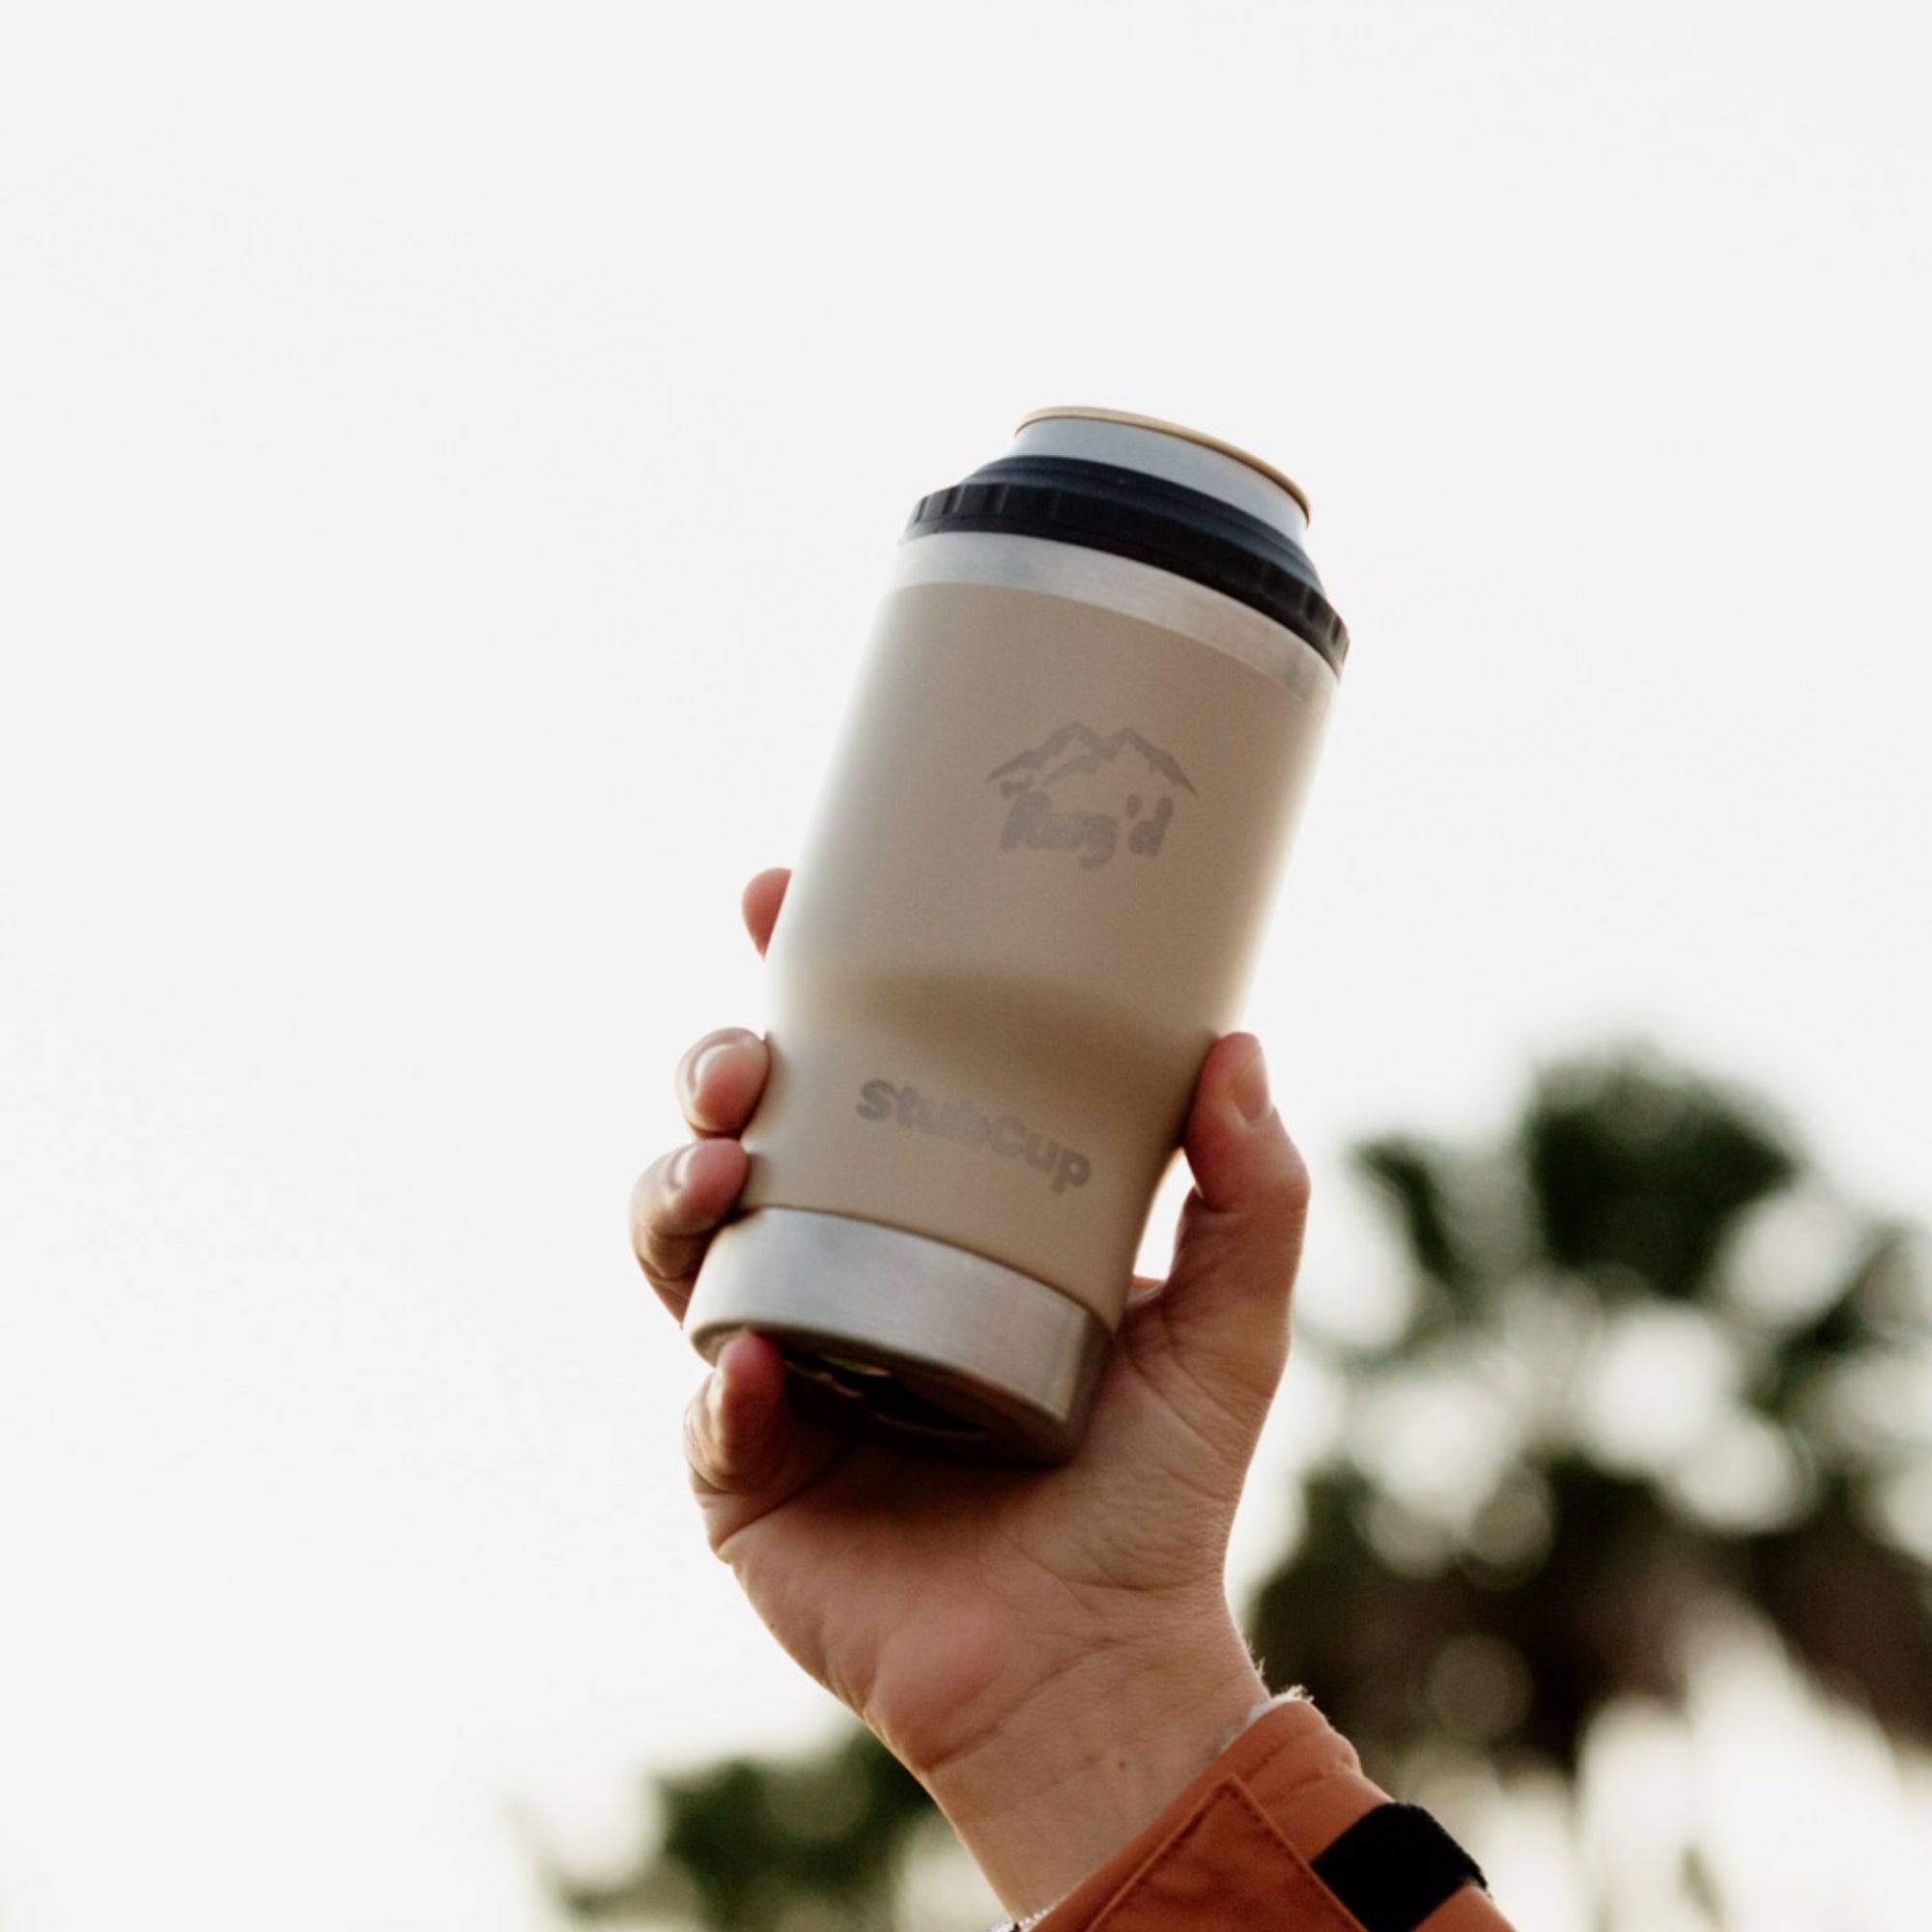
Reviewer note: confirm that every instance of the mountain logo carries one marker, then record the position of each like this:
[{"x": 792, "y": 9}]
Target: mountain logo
[{"x": 1079, "y": 792}]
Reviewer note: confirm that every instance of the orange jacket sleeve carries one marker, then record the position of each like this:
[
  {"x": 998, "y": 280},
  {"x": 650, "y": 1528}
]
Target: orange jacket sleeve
[{"x": 1283, "y": 1833}]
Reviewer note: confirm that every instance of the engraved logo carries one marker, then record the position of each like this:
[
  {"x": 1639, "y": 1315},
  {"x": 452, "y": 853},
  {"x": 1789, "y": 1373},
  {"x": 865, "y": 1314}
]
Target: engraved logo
[
  {"x": 958, "y": 1120},
  {"x": 1081, "y": 793}
]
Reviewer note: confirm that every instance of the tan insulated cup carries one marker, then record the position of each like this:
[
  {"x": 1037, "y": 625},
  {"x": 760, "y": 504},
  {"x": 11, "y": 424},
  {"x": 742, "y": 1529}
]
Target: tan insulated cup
[{"x": 1029, "y": 903}]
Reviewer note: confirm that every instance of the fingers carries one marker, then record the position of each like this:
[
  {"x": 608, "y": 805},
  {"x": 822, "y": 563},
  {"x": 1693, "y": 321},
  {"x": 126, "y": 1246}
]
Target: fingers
[
  {"x": 748, "y": 1453},
  {"x": 679, "y": 1201},
  {"x": 719, "y": 1079},
  {"x": 676, "y": 1207},
  {"x": 1217, "y": 1332},
  {"x": 760, "y": 906},
  {"x": 735, "y": 1429}
]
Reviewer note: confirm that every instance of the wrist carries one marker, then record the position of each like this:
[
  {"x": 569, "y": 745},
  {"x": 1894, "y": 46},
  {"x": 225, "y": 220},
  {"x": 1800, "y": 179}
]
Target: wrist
[{"x": 1094, "y": 1755}]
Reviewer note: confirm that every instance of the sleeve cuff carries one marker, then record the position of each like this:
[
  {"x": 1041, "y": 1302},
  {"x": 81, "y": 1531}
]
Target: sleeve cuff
[{"x": 1283, "y": 1831}]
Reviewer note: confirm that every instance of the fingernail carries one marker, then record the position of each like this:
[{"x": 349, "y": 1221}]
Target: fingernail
[
  {"x": 1251, "y": 1088},
  {"x": 678, "y": 1173},
  {"x": 695, "y": 1069}
]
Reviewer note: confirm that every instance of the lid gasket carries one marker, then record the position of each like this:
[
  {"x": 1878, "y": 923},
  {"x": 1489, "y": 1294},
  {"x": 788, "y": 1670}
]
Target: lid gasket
[{"x": 1150, "y": 520}]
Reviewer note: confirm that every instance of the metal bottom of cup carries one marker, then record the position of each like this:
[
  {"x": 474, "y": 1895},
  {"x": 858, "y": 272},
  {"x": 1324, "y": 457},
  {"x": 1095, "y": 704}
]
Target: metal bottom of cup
[{"x": 905, "y": 1336}]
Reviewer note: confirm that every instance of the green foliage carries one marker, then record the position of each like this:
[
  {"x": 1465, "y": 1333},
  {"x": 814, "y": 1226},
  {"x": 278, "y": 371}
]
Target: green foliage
[
  {"x": 1635, "y": 1167},
  {"x": 1625, "y": 1396},
  {"x": 756, "y": 1846},
  {"x": 1597, "y": 1429}
]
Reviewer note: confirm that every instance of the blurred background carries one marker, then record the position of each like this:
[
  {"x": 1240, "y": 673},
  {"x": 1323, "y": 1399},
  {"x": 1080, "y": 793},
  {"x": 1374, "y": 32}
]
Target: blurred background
[{"x": 447, "y": 459}]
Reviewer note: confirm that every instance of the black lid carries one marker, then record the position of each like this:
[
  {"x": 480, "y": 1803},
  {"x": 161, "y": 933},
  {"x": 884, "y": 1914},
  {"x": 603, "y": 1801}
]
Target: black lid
[{"x": 1128, "y": 513}]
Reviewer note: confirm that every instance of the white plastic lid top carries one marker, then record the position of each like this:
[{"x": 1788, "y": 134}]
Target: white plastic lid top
[{"x": 1183, "y": 456}]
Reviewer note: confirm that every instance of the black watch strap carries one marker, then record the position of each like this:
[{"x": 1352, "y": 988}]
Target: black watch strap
[{"x": 1393, "y": 1866}]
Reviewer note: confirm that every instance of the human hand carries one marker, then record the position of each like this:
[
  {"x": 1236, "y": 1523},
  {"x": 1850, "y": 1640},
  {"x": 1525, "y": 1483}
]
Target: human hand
[{"x": 1050, "y": 1652}]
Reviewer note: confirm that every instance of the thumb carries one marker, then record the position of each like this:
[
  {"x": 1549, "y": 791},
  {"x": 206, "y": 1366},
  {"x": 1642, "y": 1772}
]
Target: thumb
[{"x": 1219, "y": 1325}]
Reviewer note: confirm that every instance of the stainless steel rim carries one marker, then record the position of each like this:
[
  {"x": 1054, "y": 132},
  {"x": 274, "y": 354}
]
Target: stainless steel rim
[{"x": 903, "y": 1335}]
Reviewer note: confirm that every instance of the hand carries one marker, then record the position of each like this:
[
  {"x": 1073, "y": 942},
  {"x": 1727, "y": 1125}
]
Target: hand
[{"x": 1051, "y": 1652}]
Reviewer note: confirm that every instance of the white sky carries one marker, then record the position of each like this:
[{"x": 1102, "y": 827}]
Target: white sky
[{"x": 447, "y": 456}]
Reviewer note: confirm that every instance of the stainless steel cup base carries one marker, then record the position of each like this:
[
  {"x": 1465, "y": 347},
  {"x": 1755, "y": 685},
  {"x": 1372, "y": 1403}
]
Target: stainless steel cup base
[{"x": 905, "y": 1336}]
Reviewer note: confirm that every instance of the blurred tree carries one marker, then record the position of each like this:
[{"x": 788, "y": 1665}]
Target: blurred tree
[
  {"x": 763, "y": 1847},
  {"x": 1650, "y": 1382},
  {"x": 1649, "y": 1378}
]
